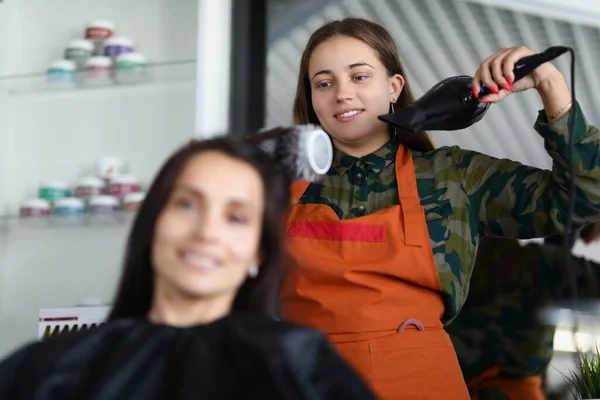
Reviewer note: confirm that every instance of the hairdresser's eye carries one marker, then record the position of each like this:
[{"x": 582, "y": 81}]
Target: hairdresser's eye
[
  {"x": 360, "y": 77},
  {"x": 323, "y": 85}
]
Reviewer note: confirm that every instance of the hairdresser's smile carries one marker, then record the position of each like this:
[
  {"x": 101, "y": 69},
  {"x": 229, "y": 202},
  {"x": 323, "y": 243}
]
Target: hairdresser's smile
[{"x": 348, "y": 115}]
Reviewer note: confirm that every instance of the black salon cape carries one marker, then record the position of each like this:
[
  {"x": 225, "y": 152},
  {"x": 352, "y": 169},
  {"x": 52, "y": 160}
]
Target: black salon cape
[{"x": 237, "y": 357}]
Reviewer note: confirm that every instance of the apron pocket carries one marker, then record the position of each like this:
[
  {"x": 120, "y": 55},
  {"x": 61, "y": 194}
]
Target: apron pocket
[
  {"x": 416, "y": 365},
  {"x": 357, "y": 355}
]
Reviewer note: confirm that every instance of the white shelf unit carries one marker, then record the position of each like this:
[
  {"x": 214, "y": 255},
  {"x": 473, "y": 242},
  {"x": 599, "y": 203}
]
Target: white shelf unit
[{"x": 44, "y": 134}]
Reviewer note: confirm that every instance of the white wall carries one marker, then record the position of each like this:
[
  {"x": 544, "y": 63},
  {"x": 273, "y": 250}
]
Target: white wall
[
  {"x": 49, "y": 267},
  {"x": 60, "y": 135}
]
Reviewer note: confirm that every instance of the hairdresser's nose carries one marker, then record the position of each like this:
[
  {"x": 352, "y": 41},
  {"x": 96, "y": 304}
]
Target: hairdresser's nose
[{"x": 344, "y": 92}]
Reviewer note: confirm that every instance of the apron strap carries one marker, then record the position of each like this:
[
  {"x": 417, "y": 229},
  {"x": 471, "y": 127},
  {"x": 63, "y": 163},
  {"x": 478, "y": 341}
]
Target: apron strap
[
  {"x": 297, "y": 189},
  {"x": 415, "y": 227}
]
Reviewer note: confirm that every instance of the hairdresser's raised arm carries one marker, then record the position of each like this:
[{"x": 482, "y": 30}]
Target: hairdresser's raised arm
[{"x": 519, "y": 201}]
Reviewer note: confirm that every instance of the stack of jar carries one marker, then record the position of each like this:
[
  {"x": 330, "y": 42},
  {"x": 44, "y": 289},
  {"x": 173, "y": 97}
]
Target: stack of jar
[
  {"x": 103, "y": 56},
  {"x": 110, "y": 192}
]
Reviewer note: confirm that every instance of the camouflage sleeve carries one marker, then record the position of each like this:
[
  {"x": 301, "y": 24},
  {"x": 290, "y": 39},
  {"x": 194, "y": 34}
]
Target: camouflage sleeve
[
  {"x": 514, "y": 200},
  {"x": 553, "y": 275}
]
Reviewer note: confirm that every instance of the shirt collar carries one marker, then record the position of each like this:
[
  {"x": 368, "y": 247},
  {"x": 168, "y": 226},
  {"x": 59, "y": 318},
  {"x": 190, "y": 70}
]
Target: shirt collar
[{"x": 375, "y": 161}]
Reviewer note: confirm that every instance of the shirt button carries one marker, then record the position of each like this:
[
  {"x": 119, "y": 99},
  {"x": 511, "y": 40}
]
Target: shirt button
[
  {"x": 359, "y": 163},
  {"x": 361, "y": 208},
  {"x": 359, "y": 175}
]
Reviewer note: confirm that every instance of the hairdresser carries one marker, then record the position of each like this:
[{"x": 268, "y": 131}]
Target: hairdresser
[
  {"x": 503, "y": 348},
  {"x": 385, "y": 243}
]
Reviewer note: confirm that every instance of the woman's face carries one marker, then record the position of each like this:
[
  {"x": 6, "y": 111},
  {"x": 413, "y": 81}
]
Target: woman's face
[
  {"x": 350, "y": 88},
  {"x": 207, "y": 237}
]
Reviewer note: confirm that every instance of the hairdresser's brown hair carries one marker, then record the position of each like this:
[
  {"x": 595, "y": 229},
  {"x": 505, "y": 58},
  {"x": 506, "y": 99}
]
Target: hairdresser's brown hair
[{"x": 379, "y": 40}]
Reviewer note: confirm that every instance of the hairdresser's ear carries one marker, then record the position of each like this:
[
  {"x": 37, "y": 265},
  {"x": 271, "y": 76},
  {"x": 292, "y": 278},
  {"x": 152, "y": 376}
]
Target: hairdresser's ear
[{"x": 396, "y": 86}]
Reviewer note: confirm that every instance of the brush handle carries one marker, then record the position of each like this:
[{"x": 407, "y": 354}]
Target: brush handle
[
  {"x": 266, "y": 135},
  {"x": 528, "y": 64}
]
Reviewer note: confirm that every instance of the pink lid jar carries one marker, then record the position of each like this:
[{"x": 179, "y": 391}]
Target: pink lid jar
[
  {"x": 88, "y": 187},
  {"x": 35, "y": 207},
  {"x": 98, "y": 31},
  {"x": 123, "y": 185}
]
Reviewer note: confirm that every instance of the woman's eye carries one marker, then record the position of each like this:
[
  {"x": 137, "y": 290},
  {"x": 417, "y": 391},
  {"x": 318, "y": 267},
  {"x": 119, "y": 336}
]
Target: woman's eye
[
  {"x": 184, "y": 204},
  {"x": 360, "y": 77},
  {"x": 238, "y": 219},
  {"x": 323, "y": 85}
]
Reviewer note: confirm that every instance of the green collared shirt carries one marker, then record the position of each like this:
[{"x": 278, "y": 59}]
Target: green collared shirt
[
  {"x": 359, "y": 186},
  {"x": 467, "y": 194}
]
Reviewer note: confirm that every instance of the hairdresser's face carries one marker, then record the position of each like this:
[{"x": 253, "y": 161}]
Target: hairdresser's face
[
  {"x": 350, "y": 87},
  {"x": 208, "y": 235}
]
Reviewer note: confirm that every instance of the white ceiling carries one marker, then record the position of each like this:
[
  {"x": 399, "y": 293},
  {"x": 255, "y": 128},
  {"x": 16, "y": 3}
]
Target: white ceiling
[{"x": 442, "y": 38}]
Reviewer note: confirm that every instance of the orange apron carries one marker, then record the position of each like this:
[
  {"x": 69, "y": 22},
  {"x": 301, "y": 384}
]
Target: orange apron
[
  {"x": 515, "y": 389},
  {"x": 375, "y": 291}
]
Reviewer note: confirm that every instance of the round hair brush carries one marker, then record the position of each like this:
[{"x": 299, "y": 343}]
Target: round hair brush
[{"x": 305, "y": 151}]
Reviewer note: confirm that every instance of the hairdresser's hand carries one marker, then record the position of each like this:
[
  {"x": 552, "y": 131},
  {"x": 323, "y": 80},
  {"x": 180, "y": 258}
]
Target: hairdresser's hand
[{"x": 496, "y": 73}]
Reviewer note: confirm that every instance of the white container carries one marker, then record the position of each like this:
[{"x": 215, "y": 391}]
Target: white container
[
  {"x": 53, "y": 190},
  {"x": 62, "y": 71},
  {"x": 70, "y": 206},
  {"x": 98, "y": 31},
  {"x": 117, "y": 45},
  {"x": 130, "y": 68},
  {"x": 103, "y": 204},
  {"x": 98, "y": 71},
  {"x": 133, "y": 201},
  {"x": 88, "y": 187},
  {"x": 109, "y": 167},
  {"x": 79, "y": 51},
  {"x": 35, "y": 207},
  {"x": 123, "y": 185}
]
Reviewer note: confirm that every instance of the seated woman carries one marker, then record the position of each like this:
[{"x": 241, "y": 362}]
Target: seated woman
[
  {"x": 193, "y": 313},
  {"x": 503, "y": 349}
]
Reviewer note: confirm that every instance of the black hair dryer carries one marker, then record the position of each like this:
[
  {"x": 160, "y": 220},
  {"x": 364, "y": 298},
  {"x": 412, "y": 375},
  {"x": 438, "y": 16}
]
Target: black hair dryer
[{"x": 450, "y": 105}]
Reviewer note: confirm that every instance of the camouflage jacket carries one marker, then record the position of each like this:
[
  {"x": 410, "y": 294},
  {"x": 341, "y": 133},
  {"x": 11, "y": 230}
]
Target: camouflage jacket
[
  {"x": 466, "y": 194},
  {"x": 504, "y": 331}
]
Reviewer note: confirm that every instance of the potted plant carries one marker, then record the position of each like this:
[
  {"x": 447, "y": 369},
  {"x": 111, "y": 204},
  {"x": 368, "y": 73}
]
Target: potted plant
[{"x": 585, "y": 380}]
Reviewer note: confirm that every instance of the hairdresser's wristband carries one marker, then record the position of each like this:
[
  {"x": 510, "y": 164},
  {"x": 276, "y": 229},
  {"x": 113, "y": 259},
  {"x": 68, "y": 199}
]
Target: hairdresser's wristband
[{"x": 560, "y": 113}]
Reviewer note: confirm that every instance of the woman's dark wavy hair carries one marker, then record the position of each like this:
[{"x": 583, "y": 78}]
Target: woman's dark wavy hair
[{"x": 133, "y": 298}]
